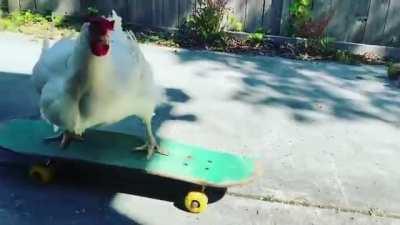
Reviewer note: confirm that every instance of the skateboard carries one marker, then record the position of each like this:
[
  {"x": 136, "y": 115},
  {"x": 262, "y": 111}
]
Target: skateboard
[{"x": 193, "y": 164}]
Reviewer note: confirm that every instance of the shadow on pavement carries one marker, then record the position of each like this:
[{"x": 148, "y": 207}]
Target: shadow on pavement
[
  {"x": 307, "y": 90},
  {"x": 83, "y": 192}
]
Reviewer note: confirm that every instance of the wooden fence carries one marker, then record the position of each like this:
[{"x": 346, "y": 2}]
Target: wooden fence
[{"x": 361, "y": 21}]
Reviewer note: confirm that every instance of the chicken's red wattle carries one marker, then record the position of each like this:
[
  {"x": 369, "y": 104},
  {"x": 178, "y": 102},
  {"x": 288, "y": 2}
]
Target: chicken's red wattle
[{"x": 99, "y": 48}]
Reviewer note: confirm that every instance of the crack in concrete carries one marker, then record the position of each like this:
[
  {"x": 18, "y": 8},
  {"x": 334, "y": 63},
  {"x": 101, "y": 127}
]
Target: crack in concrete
[
  {"x": 373, "y": 212},
  {"x": 338, "y": 180}
]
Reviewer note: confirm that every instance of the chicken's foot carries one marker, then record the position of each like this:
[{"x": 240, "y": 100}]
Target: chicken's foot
[
  {"x": 65, "y": 138},
  {"x": 151, "y": 148},
  {"x": 151, "y": 145}
]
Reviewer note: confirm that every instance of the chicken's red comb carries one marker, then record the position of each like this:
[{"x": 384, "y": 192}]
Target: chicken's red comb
[{"x": 100, "y": 25}]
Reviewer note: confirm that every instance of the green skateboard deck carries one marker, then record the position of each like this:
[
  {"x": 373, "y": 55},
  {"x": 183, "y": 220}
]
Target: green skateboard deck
[{"x": 184, "y": 162}]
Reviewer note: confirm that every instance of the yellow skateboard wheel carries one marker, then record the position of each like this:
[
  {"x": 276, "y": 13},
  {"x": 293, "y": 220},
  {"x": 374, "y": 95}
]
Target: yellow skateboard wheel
[
  {"x": 42, "y": 174},
  {"x": 196, "y": 202}
]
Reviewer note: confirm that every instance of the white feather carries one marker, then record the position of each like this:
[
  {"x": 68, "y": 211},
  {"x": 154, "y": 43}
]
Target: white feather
[{"x": 79, "y": 90}]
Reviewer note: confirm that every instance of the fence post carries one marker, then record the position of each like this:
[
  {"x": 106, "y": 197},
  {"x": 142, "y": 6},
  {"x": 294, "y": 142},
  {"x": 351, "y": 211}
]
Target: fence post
[
  {"x": 378, "y": 12},
  {"x": 391, "y": 34},
  {"x": 285, "y": 16},
  {"x": 4, "y": 5},
  {"x": 13, "y": 5},
  {"x": 276, "y": 16}
]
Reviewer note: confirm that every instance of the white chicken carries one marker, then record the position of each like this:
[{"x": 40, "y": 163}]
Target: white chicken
[{"x": 101, "y": 77}]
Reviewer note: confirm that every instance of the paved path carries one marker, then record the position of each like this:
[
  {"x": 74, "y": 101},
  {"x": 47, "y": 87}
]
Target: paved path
[{"x": 327, "y": 136}]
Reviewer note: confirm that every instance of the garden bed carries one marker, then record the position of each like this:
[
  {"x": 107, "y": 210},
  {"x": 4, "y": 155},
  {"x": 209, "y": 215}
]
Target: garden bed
[
  {"x": 288, "y": 47},
  {"x": 235, "y": 42}
]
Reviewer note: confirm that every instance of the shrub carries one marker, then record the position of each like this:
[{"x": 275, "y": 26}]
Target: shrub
[
  {"x": 92, "y": 11},
  {"x": 26, "y": 17},
  {"x": 346, "y": 57},
  {"x": 257, "y": 38},
  {"x": 299, "y": 14},
  {"x": 233, "y": 24},
  {"x": 17, "y": 19},
  {"x": 393, "y": 71},
  {"x": 315, "y": 29},
  {"x": 323, "y": 46},
  {"x": 203, "y": 28},
  {"x": 317, "y": 43}
]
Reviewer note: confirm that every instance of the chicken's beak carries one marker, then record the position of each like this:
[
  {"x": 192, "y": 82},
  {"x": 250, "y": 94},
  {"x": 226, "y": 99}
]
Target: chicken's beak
[{"x": 105, "y": 40}]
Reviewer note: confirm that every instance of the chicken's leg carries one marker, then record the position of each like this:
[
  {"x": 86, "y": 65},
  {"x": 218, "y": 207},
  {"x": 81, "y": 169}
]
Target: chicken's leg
[
  {"x": 64, "y": 138},
  {"x": 151, "y": 145}
]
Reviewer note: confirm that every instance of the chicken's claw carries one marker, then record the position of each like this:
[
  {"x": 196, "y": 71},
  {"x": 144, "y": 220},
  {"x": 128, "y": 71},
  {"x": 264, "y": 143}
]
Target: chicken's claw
[
  {"x": 151, "y": 149},
  {"x": 64, "y": 138}
]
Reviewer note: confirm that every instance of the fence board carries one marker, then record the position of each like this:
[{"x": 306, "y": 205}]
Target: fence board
[
  {"x": 368, "y": 21},
  {"x": 45, "y": 6},
  {"x": 266, "y": 20},
  {"x": 321, "y": 8},
  {"x": 238, "y": 8},
  {"x": 27, "y": 5},
  {"x": 357, "y": 20},
  {"x": 254, "y": 14},
  {"x": 3, "y": 5},
  {"x": 140, "y": 12},
  {"x": 392, "y": 26},
  {"x": 338, "y": 26},
  {"x": 169, "y": 13},
  {"x": 272, "y": 16},
  {"x": 349, "y": 25},
  {"x": 285, "y": 17},
  {"x": 13, "y": 5},
  {"x": 156, "y": 12},
  {"x": 375, "y": 28},
  {"x": 66, "y": 7},
  {"x": 185, "y": 8}
]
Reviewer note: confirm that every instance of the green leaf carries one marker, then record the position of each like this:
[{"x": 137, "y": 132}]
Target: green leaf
[{"x": 305, "y": 2}]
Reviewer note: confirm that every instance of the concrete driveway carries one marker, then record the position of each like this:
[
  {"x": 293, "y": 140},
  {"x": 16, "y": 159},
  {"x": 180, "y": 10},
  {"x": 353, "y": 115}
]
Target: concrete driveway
[{"x": 327, "y": 136}]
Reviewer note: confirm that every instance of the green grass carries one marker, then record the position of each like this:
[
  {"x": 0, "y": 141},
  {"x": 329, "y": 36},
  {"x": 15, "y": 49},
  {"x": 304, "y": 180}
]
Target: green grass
[{"x": 38, "y": 24}]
